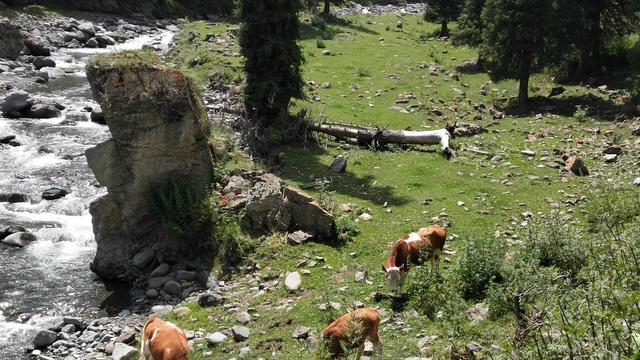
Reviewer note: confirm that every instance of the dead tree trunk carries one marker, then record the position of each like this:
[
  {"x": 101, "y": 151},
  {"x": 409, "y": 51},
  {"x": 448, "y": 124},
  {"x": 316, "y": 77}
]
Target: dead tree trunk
[{"x": 377, "y": 137}]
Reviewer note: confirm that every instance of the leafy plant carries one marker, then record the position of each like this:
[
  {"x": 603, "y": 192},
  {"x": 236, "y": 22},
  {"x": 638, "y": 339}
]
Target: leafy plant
[
  {"x": 553, "y": 243},
  {"x": 581, "y": 113},
  {"x": 479, "y": 265}
]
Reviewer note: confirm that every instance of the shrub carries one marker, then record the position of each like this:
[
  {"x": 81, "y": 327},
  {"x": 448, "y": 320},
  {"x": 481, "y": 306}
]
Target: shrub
[
  {"x": 613, "y": 209},
  {"x": 581, "y": 113},
  {"x": 347, "y": 227},
  {"x": 479, "y": 264},
  {"x": 320, "y": 44},
  {"x": 553, "y": 243},
  {"x": 429, "y": 293},
  {"x": 362, "y": 72}
]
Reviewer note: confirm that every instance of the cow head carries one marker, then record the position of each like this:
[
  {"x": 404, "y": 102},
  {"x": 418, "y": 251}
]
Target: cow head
[{"x": 394, "y": 277}]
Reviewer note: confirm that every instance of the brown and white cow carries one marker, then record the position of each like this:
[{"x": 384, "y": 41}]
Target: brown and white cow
[
  {"x": 408, "y": 250},
  {"x": 162, "y": 340},
  {"x": 351, "y": 330}
]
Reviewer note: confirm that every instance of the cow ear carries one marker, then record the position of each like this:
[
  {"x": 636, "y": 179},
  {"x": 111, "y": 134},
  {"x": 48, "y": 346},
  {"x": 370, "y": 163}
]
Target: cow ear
[{"x": 384, "y": 269}]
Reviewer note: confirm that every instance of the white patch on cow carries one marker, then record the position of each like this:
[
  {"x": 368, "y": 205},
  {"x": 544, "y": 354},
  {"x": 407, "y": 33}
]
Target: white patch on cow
[{"x": 413, "y": 237}]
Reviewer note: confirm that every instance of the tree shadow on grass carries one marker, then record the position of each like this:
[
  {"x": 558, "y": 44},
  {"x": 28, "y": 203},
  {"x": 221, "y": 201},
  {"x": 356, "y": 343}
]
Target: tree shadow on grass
[
  {"x": 597, "y": 107},
  {"x": 331, "y": 28},
  {"x": 305, "y": 162}
]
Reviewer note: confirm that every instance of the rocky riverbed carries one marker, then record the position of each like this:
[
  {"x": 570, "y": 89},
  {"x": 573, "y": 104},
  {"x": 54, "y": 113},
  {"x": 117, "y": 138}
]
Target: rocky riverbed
[{"x": 49, "y": 299}]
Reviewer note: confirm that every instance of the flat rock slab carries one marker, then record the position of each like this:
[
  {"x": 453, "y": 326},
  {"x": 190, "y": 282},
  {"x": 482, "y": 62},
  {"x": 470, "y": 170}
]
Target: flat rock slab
[{"x": 240, "y": 333}]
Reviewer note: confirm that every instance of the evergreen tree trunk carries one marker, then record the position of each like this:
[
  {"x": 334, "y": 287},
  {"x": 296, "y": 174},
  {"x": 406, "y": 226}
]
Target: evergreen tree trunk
[
  {"x": 445, "y": 28},
  {"x": 525, "y": 72},
  {"x": 594, "y": 36},
  {"x": 327, "y": 5}
]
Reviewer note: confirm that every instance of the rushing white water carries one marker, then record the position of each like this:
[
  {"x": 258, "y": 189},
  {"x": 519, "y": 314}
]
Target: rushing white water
[{"x": 51, "y": 276}]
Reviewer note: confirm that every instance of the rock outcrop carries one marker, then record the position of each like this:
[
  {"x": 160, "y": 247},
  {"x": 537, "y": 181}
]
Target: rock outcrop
[
  {"x": 271, "y": 205},
  {"x": 159, "y": 139},
  {"x": 11, "y": 43}
]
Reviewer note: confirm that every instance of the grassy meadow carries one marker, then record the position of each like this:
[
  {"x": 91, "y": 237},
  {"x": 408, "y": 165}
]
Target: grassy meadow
[{"x": 489, "y": 194}]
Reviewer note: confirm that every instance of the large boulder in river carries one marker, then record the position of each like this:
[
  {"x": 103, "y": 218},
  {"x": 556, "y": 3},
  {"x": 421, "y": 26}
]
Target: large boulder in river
[
  {"x": 36, "y": 46},
  {"x": 16, "y": 100},
  {"x": 158, "y": 153},
  {"x": 11, "y": 43},
  {"x": 19, "y": 239}
]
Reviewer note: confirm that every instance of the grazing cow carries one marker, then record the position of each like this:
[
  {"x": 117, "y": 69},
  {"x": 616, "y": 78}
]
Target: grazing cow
[
  {"x": 408, "y": 249},
  {"x": 352, "y": 329},
  {"x": 163, "y": 340}
]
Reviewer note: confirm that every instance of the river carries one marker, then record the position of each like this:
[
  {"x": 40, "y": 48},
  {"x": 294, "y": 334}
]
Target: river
[{"x": 51, "y": 276}]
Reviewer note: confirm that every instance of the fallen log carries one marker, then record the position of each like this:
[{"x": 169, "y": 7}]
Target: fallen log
[{"x": 377, "y": 137}]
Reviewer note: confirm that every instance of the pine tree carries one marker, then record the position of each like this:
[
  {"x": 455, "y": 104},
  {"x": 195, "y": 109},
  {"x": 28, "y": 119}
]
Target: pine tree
[
  {"x": 470, "y": 24},
  {"x": 443, "y": 11},
  {"x": 272, "y": 62},
  {"x": 327, "y": 6},
  {"x": 523, "y": 36},
  {"x": 603, "y": 20}
]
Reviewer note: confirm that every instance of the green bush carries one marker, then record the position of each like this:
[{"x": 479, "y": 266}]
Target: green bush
[
  {"x": 613, "y": 209},
  {"x": 347, "y": 227},
  {"x": 553, "y": 243},
  {"x": 478, "y": 265},
  {"x": 320, "y": 44},
  {"x": 429, "y": 293}
]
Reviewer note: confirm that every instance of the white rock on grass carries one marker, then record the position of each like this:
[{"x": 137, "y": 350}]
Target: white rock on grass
[
  {"x": 293, "y": 281},
  {"x": 216, "y": 338}
]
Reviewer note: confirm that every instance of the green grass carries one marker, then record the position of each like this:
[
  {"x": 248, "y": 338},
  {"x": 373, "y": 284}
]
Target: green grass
[
  {"x": 130, "y": 59},
  {"x": 40, "y": 10},
  {"x": 369, "y": 67}
]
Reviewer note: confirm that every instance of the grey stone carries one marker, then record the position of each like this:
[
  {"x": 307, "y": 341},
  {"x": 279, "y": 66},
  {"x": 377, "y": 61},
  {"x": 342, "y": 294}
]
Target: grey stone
[
  {"x": 143, "y": 258},
  {"x": 105, "y": 40},
  {"x": 243, "y": 317},
  {"x": 19, "y": 239},
  {"x": 240, "y": 333},
  {"x": 301, "y": 332},
  {"x": 158, "y": 282},
  {"x": 44, "y": 338},
  {"x": 54, "y": 193},
  {"x": 160, "y": 270},
  {"x": 87, "y": 28},
  {"x": 44, "y": 111},
  {"x": 12, "y": 198},
  {"x": 577, "y": 166},
  {"x": 478, "y": 312},
  {"x": 161, "y": 309},
  {"x": 124, "y": 352},
  {"x": 209, "y": 300},
  {"x": 92, "y": 43},
  {"x": 71, "y": 36},
  {"x": 41, "y": 62},
  {"x": 182, "y": 275},
  {"x": 172, "y": 287},
  {"x": 88, "y": 336},
  {"x": 339, "y": 164},
  {"x": 298, "y": 237},
  {"x": 11, "y": 43},
  {"x": 16, "y": 100},
  {"x": 69, "y": 328},
  {"x": 79, "y": 323},
  {"x": 98, "y": 117},
  {"x": 127, "y": 337},
  {"x": 36, "y": 46},
  {"x": 636, "y": 181},
  {"x": 216, "y": 338}
]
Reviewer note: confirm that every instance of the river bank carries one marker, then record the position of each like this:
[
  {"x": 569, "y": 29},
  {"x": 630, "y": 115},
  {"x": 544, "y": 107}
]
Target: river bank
[{"x": 42, "y": 149}]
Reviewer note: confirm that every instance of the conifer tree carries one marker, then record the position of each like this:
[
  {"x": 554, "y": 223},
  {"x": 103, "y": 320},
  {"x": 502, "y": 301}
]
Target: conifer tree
[
  {"x": 470, "y": 24},
  {"x": 272, "y": 63},
  {"x": 522, "y": 36},
  {"x": 443, "y": 12}
]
